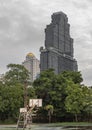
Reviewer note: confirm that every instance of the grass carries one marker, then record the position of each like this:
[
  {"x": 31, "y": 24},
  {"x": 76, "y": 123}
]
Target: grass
[
  {"x": 63, "y": 124},
  {"x": 72, "y": 124}
]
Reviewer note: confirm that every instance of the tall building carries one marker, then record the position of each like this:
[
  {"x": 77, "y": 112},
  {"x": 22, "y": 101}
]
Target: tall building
[
  {"x": 31, "y": 63},
  {"x": 58, "y": 52}
]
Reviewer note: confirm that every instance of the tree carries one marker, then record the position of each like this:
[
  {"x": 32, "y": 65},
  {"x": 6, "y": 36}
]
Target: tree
[
  {"x": 51, "y": 88},
  {"x": 58, "y": 90},
  {"x": 75, "y": 76},
  {"x": 87, "y": 103},
  {"x": 16, "y": 73},
  {"x": 74, "y": 99},
  {"x": 12, "y": 91},
  {"x": 49, "y": 108},
  {"x": 44, "y": 84},
  {"x": 11, "y": 98}
]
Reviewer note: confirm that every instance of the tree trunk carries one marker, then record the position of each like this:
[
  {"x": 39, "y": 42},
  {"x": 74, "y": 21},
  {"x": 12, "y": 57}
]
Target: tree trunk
[
  {"x": 49, "y": 118},
  {"x": 49, "y": 113},
  {"x": 76, "y": 118}
]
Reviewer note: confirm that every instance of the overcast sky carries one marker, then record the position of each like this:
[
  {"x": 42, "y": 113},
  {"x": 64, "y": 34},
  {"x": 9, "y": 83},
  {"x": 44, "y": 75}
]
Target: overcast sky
[{"x": 22, "y": 24}]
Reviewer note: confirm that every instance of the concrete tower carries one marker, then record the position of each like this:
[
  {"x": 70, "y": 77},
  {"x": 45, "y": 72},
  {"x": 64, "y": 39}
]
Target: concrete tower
[
  {"x": 58, "y": 52},
  {"x": 31, "y": 63}
]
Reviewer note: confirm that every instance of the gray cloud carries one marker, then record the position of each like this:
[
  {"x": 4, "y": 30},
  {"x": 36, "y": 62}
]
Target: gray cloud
[
  {"x": 87, "y": 74},
  {"x": 80, "y": 4}
]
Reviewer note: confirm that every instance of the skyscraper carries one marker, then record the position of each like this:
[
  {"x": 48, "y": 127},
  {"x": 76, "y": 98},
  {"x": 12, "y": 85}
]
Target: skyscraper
[
  {"x": 58, "y": 52},
  {"x": 31, "y": 63}
]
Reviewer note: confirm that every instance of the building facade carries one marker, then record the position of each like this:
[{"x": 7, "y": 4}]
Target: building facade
[
  {"x": 58, "y": 52},
  {"x": 31, "y": 63}
]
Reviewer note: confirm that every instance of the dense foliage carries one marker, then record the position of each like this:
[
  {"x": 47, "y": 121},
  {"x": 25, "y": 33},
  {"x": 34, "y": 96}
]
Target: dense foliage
[
  {"x": 12, "y": 92},
  {"x": 63, "y": 95}
]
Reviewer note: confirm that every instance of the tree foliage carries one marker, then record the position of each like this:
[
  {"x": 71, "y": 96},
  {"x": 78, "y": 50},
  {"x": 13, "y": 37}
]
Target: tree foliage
[
  {"x": 76, "y": 77},
  {"x": 12, "y": 91},
  {"x": 16, "y": 73},
  {"x": 50, "y": 109},
  {"x": 74, "y": 99},
  {"x": 87, "y": 103},
  {"x": 63, "y": 91},
  {"x": 11, "y": 98}
]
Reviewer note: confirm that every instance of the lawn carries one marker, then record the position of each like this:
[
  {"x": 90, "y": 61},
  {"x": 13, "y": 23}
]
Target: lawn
[{"x": 52, "y": 126}]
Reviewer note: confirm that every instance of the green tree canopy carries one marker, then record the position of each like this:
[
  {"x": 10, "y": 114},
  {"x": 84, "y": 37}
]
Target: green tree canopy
[
  {"x": 16, "y": 73},
  {"x": 75, "y": 76},
  {"x": 74, "y": 99},
  {"x": 87, "y": 103},
  {"x": 63, "y": 91},
  {"x": 51, "y": 88},
  {"x": 12, "y": 91},
  {"x": 11, "y": 98}
]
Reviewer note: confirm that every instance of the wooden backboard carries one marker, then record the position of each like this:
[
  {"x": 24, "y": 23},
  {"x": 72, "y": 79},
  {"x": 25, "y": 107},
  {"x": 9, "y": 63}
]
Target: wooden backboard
[
  {"x": 37, "y": 102},
  {"x": 23, "y": 110}
]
